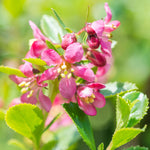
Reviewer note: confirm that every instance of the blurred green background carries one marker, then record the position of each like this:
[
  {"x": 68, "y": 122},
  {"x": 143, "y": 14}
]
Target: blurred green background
[{"x": 131, "y": 54}]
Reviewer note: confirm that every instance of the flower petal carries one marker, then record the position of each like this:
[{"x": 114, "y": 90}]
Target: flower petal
[
  {"x": 17, "y": 79},
  {"x": 108, "y": 12},
  {"x": 51, "y": 57},
  {"x": 74, "y": 53},
  {"x": 85, "y": 73},
  {"x": 36, "y": 32},
  {"x": 67, "y": 87},
  {"x": 96, "y": 85},
  {"x": 26, "y": 68},
  {"x": 31, "y": 100},
  {"x": 88, "y": 109},
  {"x": 98, "y": 27},
  {"x": 84, "y": 91},
  {"x": 45, "y": 101},
  {"x": 99, "y": 100},
  {"x": 113, "y": 25}
]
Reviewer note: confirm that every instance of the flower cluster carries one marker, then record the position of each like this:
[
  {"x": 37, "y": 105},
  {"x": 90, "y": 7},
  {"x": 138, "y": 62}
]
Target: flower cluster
[{"x": 76, "y": 69}]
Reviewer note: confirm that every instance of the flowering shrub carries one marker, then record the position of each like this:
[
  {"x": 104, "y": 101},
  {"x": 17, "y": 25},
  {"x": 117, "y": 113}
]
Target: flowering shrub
[{"x": 59, "y": 81}]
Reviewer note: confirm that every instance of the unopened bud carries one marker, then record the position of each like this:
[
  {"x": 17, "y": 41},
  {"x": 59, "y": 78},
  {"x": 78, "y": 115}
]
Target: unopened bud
[
  {"x": 93, "y": 42},
  {"x": 89, "y": 29},
  {"x": 67, "y": 40}
]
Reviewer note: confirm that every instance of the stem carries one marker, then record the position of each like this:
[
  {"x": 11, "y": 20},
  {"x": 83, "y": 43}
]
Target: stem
[{"x": 82, "y": 30}]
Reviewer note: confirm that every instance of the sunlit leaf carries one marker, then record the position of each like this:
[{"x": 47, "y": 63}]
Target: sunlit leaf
[
  {"x": 36, "y": 61},
  {"x": 137, "y": 148}
]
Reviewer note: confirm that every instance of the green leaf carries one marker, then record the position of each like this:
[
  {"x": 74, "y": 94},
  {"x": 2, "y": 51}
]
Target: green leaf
[
  {"x": 124, "y": 135},
  {"x": 15, "y": 7},
  {"x": 51, "y": 28},
  {"x": 16, "y": 143},
  {"x": 11, "y": 71},
  {"x": 36, "y": 61},
  {"x": 122, "y": 112},
  {"x": 140, "y": 108},
  {"x": 51, "y": 46},
  {"x": 27, "y": 120},
  {"x": 101, "y": 146},
  {"x": 114, "y": 88},
  {"x": 83, "y": 62},
  {"x": 82, "y": 123},
  {"x": 137, "y": 148},
  {"x": 58, "y": 18},
  {"x": 2, "y": 115}
]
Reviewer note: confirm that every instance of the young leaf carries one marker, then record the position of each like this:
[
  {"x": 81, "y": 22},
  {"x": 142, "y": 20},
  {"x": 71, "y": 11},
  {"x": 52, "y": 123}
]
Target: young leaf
[
  {"x": 13, "y": 71},
  {"x": 51, "y": 46},
  {"x": 36, "y": 61},
  {"x": 82, "y": 123},
  {"x": 27, "y": 120},
  {"x": 137, "y": 148},
  {"x": 140, "y": 108},
  {"x": 51, "y": 28},
  {"x": 124, "y": 135},
  {"x": 101, "y": 146},
  {"x": 122, "y": 112},
  {"x": 114, "y": 88}
]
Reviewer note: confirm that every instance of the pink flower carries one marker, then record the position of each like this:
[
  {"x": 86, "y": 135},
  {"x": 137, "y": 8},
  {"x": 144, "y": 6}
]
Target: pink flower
[
  {"x": 88, "y": 97},
  {"x": 63, "y": 120},
  {"x": 31, "y": 87}
]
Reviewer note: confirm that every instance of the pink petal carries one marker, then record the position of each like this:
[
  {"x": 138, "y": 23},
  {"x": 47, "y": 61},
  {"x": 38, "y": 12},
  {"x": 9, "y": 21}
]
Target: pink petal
[
  {"x": 113, "y": 25},
  {"x": 31, "y": 100},
  {"x": 17, "y": 79},
  {"x": 102, "y": 70},
  {"x": 36, "y": 32},
  {"x": 14, "y": 102},
  {"x": 67, "y": 87},
  {"x": 108, "y": 12},
  {"x": 99, "y": 100},
  {"x": 45, "y": 101},
  {"x": 84, "y": 91},
  {"x": 74, "y": 53},
  {"x": 51, "y": 57},
  {"x": 85, "y": 73},
  {"x": 49, "y": 74},
  {"x": 106, "y": 46},
  {"x": 88, "y": 109},
  {"x": 26, "y": 68},
  {"x": 98, "y": 27},
  {"x": 96, "y": 85}
]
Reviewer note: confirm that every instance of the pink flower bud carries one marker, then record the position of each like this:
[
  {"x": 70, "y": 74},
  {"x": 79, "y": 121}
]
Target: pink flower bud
[
  {"x": 67, "y": 40},
  {"x": 93, "y": 42},
  {"x": 89, "y": 29}
]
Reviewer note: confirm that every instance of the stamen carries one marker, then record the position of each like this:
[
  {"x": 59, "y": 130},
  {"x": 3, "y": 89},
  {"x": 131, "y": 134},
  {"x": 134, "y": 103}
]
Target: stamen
[
  {"x": 93, "y": 96},
  {"x": 86, "y": 99},
  {"x": 30, "y": 94},
  {"x": 62, "y": 75},
  {"x": 72, "y": 70},
  {"x": 27, "y": 84},
  {"x": 22, "y": 84},
  {"x": 24, "y": 90},
  {"x": 58, "y": 70},
  {"x": 91, "y": 100},
  {"x": 65, "y": 72},
  {"x": 113, "y": 26},
  {"x": 69, "y": 75},
  {"x": 63, "y": 67}
]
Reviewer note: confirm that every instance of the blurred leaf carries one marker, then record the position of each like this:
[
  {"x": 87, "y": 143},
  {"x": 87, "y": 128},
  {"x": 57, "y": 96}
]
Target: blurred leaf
[
  {"x": 36, "y": 61},
  {"x": 101, "y": 146},
  {"x": 2, "y": 115},
  {"x": 11, "y": 71},
  {"x": 124, "y": 135},
  {"x": 27, "y": 120},
  {"x": 51, "y": 28},
  {"x": 16, "y": 143},
  {"x": 58, "y": 18},
  {"x": 122, "y": 112},
  {"x": 114, "y": 88},
  {"x": 137, "y": 148},
  {"x": 51, "y": 46},
  {"x": 140, "y": 108},
  {"x": 15, "y": 7},
  {"x": 82, "y": 123},
  {"x": 50, "y": 145}
]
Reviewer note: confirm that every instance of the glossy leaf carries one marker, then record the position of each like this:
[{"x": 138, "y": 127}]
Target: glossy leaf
[
  {"x": 11, "y": 71},
  {"x": 137, "y": 148},
  {"x": 114, "y": 88},
  {"x": 124, "y": 135},
  {"x": 101, "y": 146},
  {"x": 27, "y": 120},
  {"x": 36, "y": 61},
  {"x": 82, "y": 123},
  {"x": 122, "y": 112},
  {"x": 140, "y": 108},
  {"x": 51, "y": 28}
]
